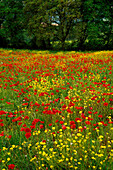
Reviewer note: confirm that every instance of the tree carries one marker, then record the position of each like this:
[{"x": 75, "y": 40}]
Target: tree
[
  {"x": 99, "y": 24},
  {"x": 94, "y": 30},
  {"x": 11, "y": 22},
  {"x": 53, "y": 19}
]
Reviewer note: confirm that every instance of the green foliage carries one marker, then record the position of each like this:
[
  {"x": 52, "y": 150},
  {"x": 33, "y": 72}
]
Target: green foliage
[
  {"x": 51, "y": 20},
  {"x": 99, "y": 23},
  {"x": 11, "y": 22},
  {"x": 41, "y": 23}
]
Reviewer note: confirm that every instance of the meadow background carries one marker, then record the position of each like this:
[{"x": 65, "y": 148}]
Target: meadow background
[
  {"x": 56, "y": 84},
  {"x": 56, "y": 110}
]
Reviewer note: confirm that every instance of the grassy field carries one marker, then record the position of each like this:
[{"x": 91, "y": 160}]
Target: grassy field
[{"x": 56, "y": 110}]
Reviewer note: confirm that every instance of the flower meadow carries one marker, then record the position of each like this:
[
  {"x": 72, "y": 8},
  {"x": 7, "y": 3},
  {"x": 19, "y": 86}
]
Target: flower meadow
[{"x": 56, "y": 110}]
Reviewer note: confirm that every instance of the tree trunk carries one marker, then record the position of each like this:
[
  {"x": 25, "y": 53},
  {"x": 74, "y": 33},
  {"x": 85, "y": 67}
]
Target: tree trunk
[{"x": 63, "y": 44}]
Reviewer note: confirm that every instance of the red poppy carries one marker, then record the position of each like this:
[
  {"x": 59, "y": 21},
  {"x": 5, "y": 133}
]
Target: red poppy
[
  {"x": 79, "y": 108},
  {"x": 2, "y": 112},
  {"x": 89, "y": 112},
  {"x": 41, "y": 126},
  {"x": 27, "y": 130},
  {"x": 19, "y": 123},
  {"x": 26, "y": 117},
  {"x": 27, "y": 135},
  {"x": 63, "y": 127},
  {"x": 83, "y": 116},
  {"x": 98, "y": 101},
  {"x": 105, "y": 104},
  {"x": 24, "y": 125},
  {"x": 95, "y": 112},
  {"x": 9, "y": 136},
  {"x": 90, "y": 118},
  {"x": 21, "y": 111},
  {"x": 72, "y": 122},
  {"x": 1, "y": 124},
  {"x": 61, "y": 122},
  {"x": 70, "y": 87},
  {"x": 110, "y": 122},
  {"x": 67, "y": 97},
  {"x": 53, "y": 133},
  {"x": 57, "y": 90},
  {"x": 32, "y": 127},
  {"x": 100, "y": 116},
  {"x": 64, "y": 106},
  {"x": 78, "y": 119},
  {"x": 105, "y": 124},
  {"x": 56, "y": 100},
  {"x": 44, "y": 141},
  {"x": 2, "y": 134},
  {"x": 73, "y": 126},
  {"x": 22, "y": 129},
  {"x": 88, "y": 122},
  {"x": 11, "y": 166}
]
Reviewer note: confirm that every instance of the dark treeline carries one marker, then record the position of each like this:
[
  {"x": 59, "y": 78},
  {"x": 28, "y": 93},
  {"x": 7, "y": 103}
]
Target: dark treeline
[{"x": 57, "y": 24}]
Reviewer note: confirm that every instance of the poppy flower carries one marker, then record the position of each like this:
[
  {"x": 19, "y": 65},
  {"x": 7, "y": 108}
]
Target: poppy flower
[
  {"x": 9, "y": 136},
  {"x": 44, "y": 141},
  {"x": 32, "y": 127},
  {"x": 22, "y": 129},
  {"x": 2, "y": 112},
  {"x": 78, "y": 119},
  {"x": 105, "y": 124},
  {"x": 19, "y": 123},
  {"x": 1, "y": 124},
  {"x": 27, "y": 135},
  {"x": 69, "y": 111},
  {"x": 11, "y": 166},
  {"x": 41, "y": 126},
  {"x": 70, "y": 87},
  {"x": 72, "y": 122},
  {"x": 89, "y": 112},
  {"x": 88, "y": 122},
  {"x": 24, "y": 125},
  {"x": 73, "y": 126},
  {"x": 57, "y": 90},
  {"x": 100, "y": 116},
  {"x": 27, "y": 130},
  {"x": 26, "y": 117},
  {"x": 2, "y": 134},
  {"x": 105, "y": 104},
  {"x": 63, "y": 127},
  {"x": 61, "y": 122}
]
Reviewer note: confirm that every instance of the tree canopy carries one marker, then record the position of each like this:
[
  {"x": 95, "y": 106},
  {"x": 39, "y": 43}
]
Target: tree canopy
[
  {"x": 11, "y": 22},
  {"x": 72, "y": 24},
  {"x": 51, "y": 19}
]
